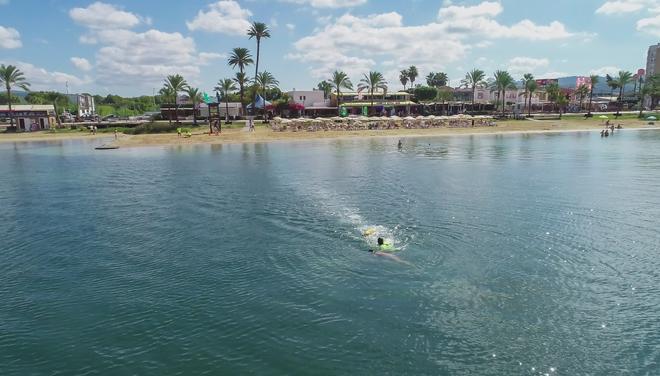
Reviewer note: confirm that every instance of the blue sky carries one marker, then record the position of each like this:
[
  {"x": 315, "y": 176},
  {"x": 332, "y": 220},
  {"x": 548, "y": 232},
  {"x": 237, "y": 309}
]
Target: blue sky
[{"x": 127, "y": 47}]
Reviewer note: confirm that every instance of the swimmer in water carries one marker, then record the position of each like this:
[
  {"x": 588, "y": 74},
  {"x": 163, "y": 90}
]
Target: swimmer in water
[{"x": 389, "y": 256}]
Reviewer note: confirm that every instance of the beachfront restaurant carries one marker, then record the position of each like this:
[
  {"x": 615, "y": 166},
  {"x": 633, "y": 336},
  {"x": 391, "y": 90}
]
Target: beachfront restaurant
[
  {"x": 29, "y": 118},
  {"x": 397, "y": 103}
]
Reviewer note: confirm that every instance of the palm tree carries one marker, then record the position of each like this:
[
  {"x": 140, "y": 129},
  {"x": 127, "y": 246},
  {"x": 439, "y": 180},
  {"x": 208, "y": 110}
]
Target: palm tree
[
  {"x": 412, "y": 75},
  {"x": 612, "y": 84},
  {"x": 403, "y": 78},
  {"x": 266, "y": 81},
  {"x": 372, "y": 82},
  {"x": 472, "y": 79},
  {"x": 340, "y": 81},
  {"x": 258, "y": 31},
  {"x": 554, "y": 92},
  {"x": 326, "y": 87},
  {"x": 242, "y": 80},
  {"x": 226, "y": 87},
  {"x": 55, "y": 98},
  {"x": 11, "y": 76},
  {"x": 624, "y": 78},
  {"x": 437, "y": 79},
  {"x": 240, "y": 57},
  {"x": 562, "y": 102},
  {"x": 502, "y": 82},
  {"x": 532, "y": 86},
  {"x": 527, "y": 78},
  {"x": 444, "y": 95},
  {"x": 582, "y": 91},
  {"x": 175, "y": 83},
  {"x": 594, "y": 81},
  {"x": 167, "y": 94},
  {"x": 195, "y": 97}
]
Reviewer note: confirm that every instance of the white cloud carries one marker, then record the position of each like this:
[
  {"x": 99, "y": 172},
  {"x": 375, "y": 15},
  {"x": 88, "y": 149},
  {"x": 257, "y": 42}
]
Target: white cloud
[
  {"x": 9, "y": 38},
  {"x": 328, "y": 3},
  {"x": 354, "y": 43},
  {"x": 81, "y": 63},
  {"x": 479, "y": 20},
  {"x": 224, "y": 16},
  {"x": 139, "y": 60},
  {"x": 650, "y": 25},
  {"x": 128, "y": 57},
  {"x": 42, "y": 79},
  {"x": 100, "y": 16},
  {"x": 554, "y": 74},
  {"x": 623, "y": 6},
  {"x": 603, "y": 71},
  {"x": 520, "y": 65},
  {"x": 4, "y": 2},
  {"x": 290, "y": 26},
  {"x": 205, "y": 58}
]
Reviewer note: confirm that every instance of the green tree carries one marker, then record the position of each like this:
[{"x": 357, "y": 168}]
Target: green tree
[
  {"x": 474, "y": 79},
  {"x": 59, "y": 102},
  {"x": 412, "y": 75},
  {"x": 195, "y": 97},
  {"x": 167, "y": 94},
  {"x": 265, "y": 81},
  {"x": 503, "y": 82},
  {"x": 532, "y": 87},
  {"x": 554, "y": 93},
  {"x": 425, "y": 93},
  {"x": 176, "y": 84},
  {"x": 562, "y": 102},
  {"x": 258, "y": 31},
  {"x": 593, "y": 79},
  {"x": 340, "y": 81},
  {"x": 326, "y": 87},
  {"x": 372, "y": 82},
  {"x": 226, "y": 87},
  {"x": 10, "y": 77},
  {"x": 444, "y": 95},
  {"x": 403, "y": 78},
  {"x": 651, "y": 88},
  {"x": 14, "y": 99},
  {"x": 242, "y": 80},
  {"x": 612, "y": 83},
  {"x": 527, "y": 79},
  {"x": 581, "y": 92},
  {"x": 624, "y": 79},
  {"x": 240, "y": 57},
  {"x": 437, "y": 79}
]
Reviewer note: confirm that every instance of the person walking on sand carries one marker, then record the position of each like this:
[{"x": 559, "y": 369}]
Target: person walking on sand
[{"x": 116, "y": 133}]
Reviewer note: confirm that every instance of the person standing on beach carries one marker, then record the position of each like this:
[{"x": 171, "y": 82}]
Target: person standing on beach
[{"x": 115, "y": 133}]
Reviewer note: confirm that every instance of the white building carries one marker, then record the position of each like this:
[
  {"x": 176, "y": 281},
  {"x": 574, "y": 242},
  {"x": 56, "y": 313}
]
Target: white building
[
  {"x": 311, "y": 99},
  {"x": 85, "y": 105},
  {"x": 30, "y": 117}
]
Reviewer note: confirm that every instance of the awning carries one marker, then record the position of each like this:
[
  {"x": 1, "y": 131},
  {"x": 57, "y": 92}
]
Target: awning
[{"x": 379, "y": 104}]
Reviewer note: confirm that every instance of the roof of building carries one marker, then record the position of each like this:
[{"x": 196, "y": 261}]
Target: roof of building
[
  {"x": 28, "y": 107},
  {"x": 376, "y": 92}
]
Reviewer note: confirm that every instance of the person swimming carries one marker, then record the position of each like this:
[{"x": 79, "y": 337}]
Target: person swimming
[{"x": 385, "y": 247}]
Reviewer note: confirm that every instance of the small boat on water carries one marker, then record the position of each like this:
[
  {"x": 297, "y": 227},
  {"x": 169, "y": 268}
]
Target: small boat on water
[{"x": 106, "y": 147}]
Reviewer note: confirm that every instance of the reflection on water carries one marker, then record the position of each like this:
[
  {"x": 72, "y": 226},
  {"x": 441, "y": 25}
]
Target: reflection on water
[{"x": 532, "y": 254}]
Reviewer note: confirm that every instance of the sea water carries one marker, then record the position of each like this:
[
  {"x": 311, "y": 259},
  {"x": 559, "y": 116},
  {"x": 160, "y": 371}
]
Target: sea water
[{"x": 525, "y": 255}]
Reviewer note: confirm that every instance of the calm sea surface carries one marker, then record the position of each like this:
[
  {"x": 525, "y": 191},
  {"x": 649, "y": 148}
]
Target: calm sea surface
[{"x": 531, "y": 254}]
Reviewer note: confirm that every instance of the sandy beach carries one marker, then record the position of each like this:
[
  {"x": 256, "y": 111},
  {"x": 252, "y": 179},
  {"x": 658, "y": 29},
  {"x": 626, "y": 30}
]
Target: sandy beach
[{"x": 263, "y": 134}]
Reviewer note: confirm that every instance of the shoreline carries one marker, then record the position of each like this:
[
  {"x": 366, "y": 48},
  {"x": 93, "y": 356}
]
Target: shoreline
[{"x": 266, "y": 135}]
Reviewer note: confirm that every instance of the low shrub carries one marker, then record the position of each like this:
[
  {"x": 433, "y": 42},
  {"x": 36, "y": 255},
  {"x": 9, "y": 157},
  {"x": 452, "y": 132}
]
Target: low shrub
[{"x": 149, "y": 128}]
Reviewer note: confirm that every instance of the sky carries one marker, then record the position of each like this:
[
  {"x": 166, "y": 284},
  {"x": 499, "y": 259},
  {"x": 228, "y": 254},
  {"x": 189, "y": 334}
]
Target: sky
[{"x": 128, "y": 47}]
